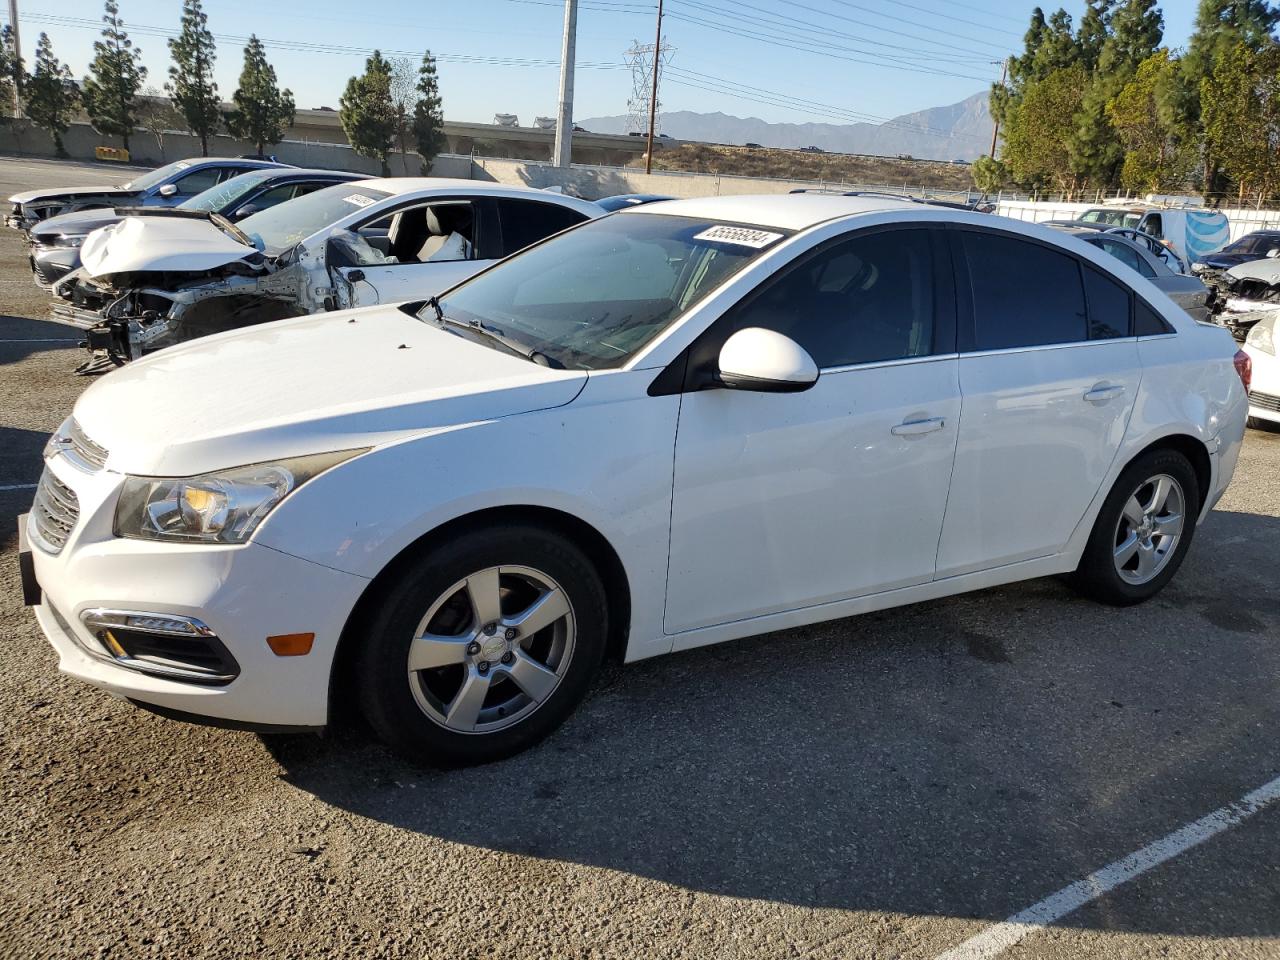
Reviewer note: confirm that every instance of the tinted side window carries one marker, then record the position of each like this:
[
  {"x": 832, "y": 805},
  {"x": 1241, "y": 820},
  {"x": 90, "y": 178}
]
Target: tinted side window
[
  {"x": 865, "y": 299},
  {"x": 525, "y": 222},
  {"x": 1148, "y": 323},
  {"x": 1108, "y": 306},
  {"x": 1127, "y": 255},
  {"x": 197, "y": 181},
  {"x": 1024, "y": 294}
]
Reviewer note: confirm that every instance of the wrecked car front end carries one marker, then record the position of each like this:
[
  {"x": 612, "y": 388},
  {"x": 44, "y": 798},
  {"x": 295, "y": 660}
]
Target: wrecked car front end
[
  {"x": 1246, "y": 294},
  {"x": 144, "y": 287}
]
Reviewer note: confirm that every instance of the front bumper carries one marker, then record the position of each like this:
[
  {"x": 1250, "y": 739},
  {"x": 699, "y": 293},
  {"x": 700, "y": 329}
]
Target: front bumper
[
  {"x": 1264, "y": 393},
  {"x": 51, "y": 264},
  {"x": 243, "y": 593}
]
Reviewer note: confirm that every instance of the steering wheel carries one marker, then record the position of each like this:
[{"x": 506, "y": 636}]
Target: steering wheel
[{"x": 1169, "y": 257}]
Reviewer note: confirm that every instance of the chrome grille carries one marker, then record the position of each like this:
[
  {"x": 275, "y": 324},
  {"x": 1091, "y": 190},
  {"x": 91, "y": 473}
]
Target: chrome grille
[
  {"x": 85, "y": 449},
  {"x": 55, "y": 512},
  {"x": 1265, "y": 400}
]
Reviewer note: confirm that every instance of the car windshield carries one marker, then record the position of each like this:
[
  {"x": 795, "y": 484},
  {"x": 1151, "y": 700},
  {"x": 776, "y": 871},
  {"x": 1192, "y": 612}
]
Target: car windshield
[
  {"x": 1115, "y": 218},
  {"x": 278, "y": 228},
  {"x": 592, "y": 297},
  {"x": 157, "y": 176},
  {"x": 228, "y": 193}
]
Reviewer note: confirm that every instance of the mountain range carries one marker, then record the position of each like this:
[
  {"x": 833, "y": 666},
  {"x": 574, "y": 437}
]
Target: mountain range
[{"x": 959, "y": 131}]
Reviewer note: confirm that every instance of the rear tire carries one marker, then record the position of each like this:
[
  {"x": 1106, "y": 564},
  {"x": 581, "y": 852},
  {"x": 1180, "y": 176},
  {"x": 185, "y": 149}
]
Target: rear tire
[
  {"x": 482, "y": 646},
  {"x": 1142, "y": 532}
]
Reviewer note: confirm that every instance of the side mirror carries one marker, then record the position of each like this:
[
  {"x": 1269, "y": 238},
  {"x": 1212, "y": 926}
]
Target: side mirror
[
  {"x": 763, "y": 360},
  {"x": 1273, "y": 253},
  {"x": 168, "y": 190},
  {"x": 248, "y": 210}
]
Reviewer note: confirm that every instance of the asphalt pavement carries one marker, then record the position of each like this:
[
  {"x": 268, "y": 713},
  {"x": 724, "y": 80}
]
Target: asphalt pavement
[{"x": 893, "y": 785}]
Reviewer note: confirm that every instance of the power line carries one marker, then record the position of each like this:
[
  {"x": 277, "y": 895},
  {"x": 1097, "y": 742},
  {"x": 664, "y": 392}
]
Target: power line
[
  {"x": 858, "y": 115},
  {"x": 811, "y": 107},
  {"x": 913, "y": 23},
  {"x": 791, "y": 24},
  {"x": 776, "y": 41},
  {"x": 900, "y": 33},
  {"x": 325, "y": 48}
]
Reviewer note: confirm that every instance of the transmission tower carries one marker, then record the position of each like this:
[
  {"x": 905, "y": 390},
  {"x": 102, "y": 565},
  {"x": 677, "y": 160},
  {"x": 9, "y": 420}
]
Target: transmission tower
[{"x": 639, "y": 58}]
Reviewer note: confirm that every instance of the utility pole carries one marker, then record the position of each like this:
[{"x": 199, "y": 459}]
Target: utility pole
[
  {"x": 17, "y": 58},
  {"x": 653, "y": 97},
  {"x": 995, "y": 129},
  {"x": 563, "y": 153}
]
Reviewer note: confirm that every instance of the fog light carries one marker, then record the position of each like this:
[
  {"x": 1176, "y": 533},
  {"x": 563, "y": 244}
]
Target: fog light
[{"x": 162, "y": 645}]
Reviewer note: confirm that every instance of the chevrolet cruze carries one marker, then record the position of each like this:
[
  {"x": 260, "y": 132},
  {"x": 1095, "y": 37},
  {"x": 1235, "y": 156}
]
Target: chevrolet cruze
[{"x": 669, "y": 427}]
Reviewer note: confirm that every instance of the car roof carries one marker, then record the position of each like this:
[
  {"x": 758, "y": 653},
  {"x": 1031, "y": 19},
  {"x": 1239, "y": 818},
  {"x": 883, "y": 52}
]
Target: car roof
[
  {"x": 402, "y": 185},
  {"x": 304, "y": 172},
  {"x": 788, "y": 211}
]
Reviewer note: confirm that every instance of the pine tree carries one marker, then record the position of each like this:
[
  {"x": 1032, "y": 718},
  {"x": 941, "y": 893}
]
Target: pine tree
[
  {"x": 1220, "y": 25},
  {"x": 1154, "y": 160},
  {"x": 1133, "y": 32},
  {"x": 115, "y": 76},
  {"x": 1241, "y": 116},
  {"x": 428, "y": 114},
  {"x": 10, "y": 71},
  {"x": 50, "y": 94},
  {"x": 191, "y": 77},
  {"x": 263, "y": 111},
  {"x": 1035, "y": 151},
  {"x": 988, "y": 175},
  {"x": 367, "y": 112},
  {"x": 1094, "y": 30}
]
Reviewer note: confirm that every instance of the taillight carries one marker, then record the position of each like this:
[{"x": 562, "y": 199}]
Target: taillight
[{"x": 1244, "y": 367}]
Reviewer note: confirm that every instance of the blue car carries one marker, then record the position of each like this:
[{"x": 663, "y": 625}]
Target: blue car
[
  {"x": 1252, "y": 246},
  {"x": 165, "y": 186}
]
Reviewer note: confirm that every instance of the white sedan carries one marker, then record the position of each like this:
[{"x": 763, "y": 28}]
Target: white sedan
[
  {"x": 672, "y": 426},
  {"x": 1264, "y": 393},
  {"x": 149, "y": 282}
]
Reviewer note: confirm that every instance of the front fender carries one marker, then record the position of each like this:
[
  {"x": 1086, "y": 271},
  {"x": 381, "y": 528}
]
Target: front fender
[{"x": 606, "y": 461}]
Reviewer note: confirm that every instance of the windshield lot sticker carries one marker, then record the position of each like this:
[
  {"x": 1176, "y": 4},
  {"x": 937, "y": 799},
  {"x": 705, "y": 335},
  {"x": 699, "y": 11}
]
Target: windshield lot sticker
[
  {"x": 359, "y": 200},
  {"x": 741, "y": 236}
]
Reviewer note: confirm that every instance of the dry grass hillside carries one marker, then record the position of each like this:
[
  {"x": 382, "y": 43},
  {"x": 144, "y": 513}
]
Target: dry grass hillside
[{"x": 800, "y": 165}]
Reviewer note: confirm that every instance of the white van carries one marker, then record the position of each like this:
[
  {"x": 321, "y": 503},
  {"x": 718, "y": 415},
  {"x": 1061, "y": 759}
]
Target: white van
[{"x": 1190, "y": 233}]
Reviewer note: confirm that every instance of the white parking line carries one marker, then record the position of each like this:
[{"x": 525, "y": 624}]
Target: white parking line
[
  {"x": 43, "y": 340},
  {"x": 19, "y": 486},
  {"x": 995, "y": 940}
]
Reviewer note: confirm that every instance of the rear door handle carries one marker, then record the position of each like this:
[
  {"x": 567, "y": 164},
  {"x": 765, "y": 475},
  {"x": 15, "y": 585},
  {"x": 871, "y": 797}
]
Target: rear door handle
[
  {"x": 916, "y": 428},
  {"x": 1103, "y": 392}
]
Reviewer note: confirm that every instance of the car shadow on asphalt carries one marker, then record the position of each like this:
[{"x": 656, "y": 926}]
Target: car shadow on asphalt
[
  {"x": 964, "y": 757},
  {"x": 21, "y": 336}
]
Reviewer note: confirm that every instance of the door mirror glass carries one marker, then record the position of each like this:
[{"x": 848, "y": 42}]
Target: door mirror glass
[
  {"x": 168, "y": 190},
  {"x": 759, "y": 359},
  {"x": 248, "y": 210}
]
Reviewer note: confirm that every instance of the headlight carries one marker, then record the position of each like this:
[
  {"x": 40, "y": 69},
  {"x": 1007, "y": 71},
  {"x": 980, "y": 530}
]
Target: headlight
[
  {"x": 221, "y": 507},
  {"x": 66, "y": 241},
  {"x": 1263, "y": 337}
]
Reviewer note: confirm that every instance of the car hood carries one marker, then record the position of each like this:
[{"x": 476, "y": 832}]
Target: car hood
[
  {"x": 28, "y": 196},
  {"x": 159, "y": 243},
  {"x": 334, "y": 381},
  {"x": 1267, "y": 270},
  {"x": 78, "y": 224}
]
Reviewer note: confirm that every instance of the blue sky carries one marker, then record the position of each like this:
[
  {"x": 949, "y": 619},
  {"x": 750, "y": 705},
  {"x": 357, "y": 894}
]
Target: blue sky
[{"x": 745, "y": 57}]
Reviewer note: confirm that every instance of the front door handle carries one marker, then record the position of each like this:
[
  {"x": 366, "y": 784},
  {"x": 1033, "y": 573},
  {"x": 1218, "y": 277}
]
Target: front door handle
[
  {"x": 916, "y": 428},
  {"x": 1103, "y": 392}
]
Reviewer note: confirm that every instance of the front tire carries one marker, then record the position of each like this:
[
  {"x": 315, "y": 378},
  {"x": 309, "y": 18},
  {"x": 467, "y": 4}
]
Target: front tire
[
  {"x": 1142, "y": 532},
  {"x": 482, "y": 646}
]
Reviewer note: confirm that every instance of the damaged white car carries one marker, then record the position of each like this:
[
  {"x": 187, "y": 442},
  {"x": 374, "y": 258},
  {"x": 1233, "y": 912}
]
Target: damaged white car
[
  {"x": 1247, "y": 294},
  {"x": 146, "y": 283}
]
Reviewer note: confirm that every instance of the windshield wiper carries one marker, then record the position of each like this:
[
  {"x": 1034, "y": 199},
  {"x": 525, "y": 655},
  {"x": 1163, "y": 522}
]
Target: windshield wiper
[
  {"x": 226, "y": 226},
  {"x": 513, "y": 346}
]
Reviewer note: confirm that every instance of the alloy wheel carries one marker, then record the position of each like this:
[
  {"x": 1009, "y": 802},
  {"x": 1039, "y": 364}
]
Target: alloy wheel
[
  {"x": 1149, "y": 528},
  {"x": 491, "y": 649}
]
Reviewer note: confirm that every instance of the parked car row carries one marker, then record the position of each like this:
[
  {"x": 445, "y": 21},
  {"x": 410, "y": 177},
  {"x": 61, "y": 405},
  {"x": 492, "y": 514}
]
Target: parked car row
[
  {"x": 263, "y": 245},
  {"x": 673, "y": 425}
]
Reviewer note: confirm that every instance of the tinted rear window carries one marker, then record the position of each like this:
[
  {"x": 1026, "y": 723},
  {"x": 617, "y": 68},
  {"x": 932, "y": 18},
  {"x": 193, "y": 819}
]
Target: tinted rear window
[
  {"x": 1024, "y": 294},
  {"x": 1108, "y": 306}
]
